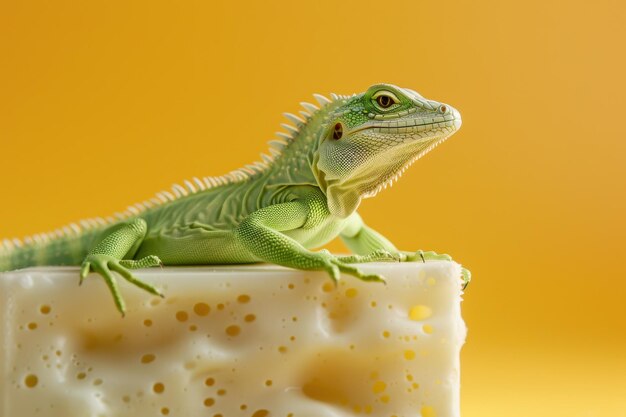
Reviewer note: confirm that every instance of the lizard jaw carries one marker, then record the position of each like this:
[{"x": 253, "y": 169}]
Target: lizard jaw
[
  {"x": 449, "y": 126},
  {"x": 393, "y": 177}
]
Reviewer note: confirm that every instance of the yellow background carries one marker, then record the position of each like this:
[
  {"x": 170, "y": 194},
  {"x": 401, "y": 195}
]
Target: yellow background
[{"x": 104, "y": 103}]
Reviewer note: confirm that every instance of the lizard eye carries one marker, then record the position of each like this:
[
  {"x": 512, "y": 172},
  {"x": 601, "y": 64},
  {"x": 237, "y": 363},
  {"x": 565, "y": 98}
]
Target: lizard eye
[{"x": 385, "y": 99}]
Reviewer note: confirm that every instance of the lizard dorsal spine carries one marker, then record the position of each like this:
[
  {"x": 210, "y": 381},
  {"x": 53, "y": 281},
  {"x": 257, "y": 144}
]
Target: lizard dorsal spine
[{"x": 277, "y": 148}]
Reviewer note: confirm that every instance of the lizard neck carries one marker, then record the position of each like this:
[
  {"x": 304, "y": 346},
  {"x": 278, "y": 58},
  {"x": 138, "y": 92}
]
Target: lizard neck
[{"x": 297, "y": 162}]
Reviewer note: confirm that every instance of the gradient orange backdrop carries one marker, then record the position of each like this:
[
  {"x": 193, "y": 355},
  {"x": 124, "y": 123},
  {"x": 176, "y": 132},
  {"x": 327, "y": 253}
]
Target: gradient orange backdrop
[{"x": 104, "y": 103}]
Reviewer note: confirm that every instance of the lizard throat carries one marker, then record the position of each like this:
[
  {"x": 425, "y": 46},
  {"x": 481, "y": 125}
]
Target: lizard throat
[{"x": 397, "y": 171}]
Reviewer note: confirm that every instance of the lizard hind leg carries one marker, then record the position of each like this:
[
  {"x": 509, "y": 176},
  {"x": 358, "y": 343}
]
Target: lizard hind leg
[{"x": 121, "y": 240}]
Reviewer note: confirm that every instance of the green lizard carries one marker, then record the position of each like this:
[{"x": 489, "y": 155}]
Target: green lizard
[{"x": 302, "y": 196}]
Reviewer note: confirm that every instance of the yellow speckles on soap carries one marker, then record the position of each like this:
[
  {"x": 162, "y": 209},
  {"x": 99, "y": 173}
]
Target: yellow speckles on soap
[
  {"x": 201, "y": 353},
  {"x": 182, "y": 316},
  {"x": 431, "y": 281},
  {"x": 233, "y": 330},
  {"x": 428, "y": 411},
  {"x": 420, "y": 312},
  {"x": 148, "y": 358},
  {"x": 31, "y": 380},
  {"x": 45, "y": 309},
  {"x": 378, "y": 387},
  {"x": 351, "y": 292},
  {"x": 201, "y": 309},
  {"x": 32, "y": 325}
]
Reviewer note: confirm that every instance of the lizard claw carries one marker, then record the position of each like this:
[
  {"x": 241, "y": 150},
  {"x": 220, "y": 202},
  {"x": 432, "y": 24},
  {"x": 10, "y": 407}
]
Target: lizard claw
[
  {"x": 104, "y": 265},
  {"x": 84, "y": 270},
  {"x": 466, "y": 277}
]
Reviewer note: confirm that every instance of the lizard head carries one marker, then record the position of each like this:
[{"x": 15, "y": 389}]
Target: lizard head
[{"x": 371, "y": 138}]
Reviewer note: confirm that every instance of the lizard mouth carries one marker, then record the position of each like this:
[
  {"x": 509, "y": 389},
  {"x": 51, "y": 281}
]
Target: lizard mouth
[{"x": 409, "y": 126}]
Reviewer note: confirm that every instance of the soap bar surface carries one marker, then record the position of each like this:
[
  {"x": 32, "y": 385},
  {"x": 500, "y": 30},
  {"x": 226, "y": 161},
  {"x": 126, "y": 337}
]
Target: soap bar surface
[{"x": 249, "y": 341}]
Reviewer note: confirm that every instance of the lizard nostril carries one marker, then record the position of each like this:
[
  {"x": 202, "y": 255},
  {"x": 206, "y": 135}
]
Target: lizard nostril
[{"x": 443, "y": 108}]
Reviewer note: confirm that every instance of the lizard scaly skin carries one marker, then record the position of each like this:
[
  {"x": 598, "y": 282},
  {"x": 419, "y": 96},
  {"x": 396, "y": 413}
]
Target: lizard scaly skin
[{"x": 302, "y": 196}]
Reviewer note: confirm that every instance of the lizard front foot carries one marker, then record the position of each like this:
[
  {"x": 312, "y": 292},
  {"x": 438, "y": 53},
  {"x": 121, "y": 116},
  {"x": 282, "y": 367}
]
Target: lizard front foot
[
  {"x": 423, "y": 256},
  {"x": 105, "y": 264},
  {"x": 466, "y": 277},
  {"x": 334, "y": 265},
  {"x": 380, "y": 255}
]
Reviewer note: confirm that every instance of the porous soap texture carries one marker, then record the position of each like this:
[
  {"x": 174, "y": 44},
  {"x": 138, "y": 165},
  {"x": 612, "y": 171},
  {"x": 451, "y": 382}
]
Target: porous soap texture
[{"x": 249, "y": 341}]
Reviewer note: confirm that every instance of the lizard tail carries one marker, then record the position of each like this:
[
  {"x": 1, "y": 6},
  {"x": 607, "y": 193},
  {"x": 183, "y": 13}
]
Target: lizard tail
[
  {"x": 66, "y": 250},
  {"x": 5, "y": 260},
  {"x": 14, "y": 258}
]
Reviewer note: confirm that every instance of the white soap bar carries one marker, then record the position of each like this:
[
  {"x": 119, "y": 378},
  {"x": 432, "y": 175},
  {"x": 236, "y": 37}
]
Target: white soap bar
[{"x": 248, "y": 341}]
